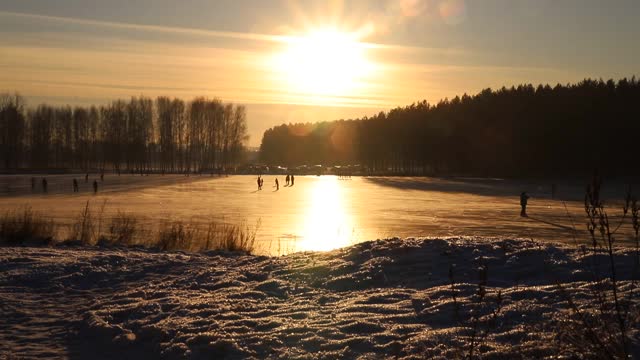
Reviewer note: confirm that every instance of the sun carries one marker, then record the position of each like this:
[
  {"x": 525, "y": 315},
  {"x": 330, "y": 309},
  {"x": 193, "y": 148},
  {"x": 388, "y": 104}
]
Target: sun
[{"x": 325, "y": 62}]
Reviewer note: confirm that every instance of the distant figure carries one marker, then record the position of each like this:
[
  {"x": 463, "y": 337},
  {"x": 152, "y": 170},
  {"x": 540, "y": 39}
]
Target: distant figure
[
  {"x": 292, "y": 179},
  {"x": 523, "y": 203},
  {"x": 86, "y": 178},
  {"x": 553, "y": 190},
  {"x": 102, "y": 175},
  {"x": 33, "y": 183},
  {"x": 287, "y": 180},
  {"x": 277, "y": 185},
  {"x": 75, "y": 185},
  {"x": 95, "y": 186},
  {"x": 259, "y": 183},
  {"x": 44, "y": 185}
]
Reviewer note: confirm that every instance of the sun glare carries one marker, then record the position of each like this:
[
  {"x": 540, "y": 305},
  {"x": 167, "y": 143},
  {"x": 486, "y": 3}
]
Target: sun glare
[
  {"x": 327, "y": 224},
  {"x": 324, "y": 62}
]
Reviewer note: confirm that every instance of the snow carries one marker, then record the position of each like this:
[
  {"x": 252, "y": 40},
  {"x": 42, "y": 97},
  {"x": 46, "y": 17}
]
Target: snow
[{"x": 375, "y": 299}]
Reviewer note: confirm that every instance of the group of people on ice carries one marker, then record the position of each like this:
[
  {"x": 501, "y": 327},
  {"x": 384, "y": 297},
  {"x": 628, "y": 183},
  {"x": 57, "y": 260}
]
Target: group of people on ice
[
  {"x": 290, "y": 181},
  {"x": 76, "y": 187}
]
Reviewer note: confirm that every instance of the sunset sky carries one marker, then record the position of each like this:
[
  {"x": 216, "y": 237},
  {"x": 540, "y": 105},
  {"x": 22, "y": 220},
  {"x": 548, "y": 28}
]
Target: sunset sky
[{"x": 298, "y": 61}]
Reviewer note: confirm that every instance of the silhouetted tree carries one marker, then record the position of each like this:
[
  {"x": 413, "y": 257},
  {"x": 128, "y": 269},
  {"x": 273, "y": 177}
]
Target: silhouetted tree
[
  {"x": 12, "y": 130},
  {"x": 520, "y": 131},
  {"x": 136, "y": 135}
]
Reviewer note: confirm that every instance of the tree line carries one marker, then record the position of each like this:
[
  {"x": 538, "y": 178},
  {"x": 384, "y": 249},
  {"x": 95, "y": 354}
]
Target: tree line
[
  {"x": 142, "y": 134},
  {"x": 519, "y": 131}
]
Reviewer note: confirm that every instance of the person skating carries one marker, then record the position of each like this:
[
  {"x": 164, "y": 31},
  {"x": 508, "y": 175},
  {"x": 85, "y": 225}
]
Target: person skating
[
  {"x": 95, "y": 186},
  {"x": 44, "y": 185},
  {"x": 523, "y": 203},
  {"x": 287, "y": 180},
  {"x": 277, "y": 185},
  {"x": 75, "y": 185}
]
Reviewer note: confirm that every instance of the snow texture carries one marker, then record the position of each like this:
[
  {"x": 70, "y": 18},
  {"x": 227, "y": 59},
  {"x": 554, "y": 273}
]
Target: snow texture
[{"x": 379, "y": 299}]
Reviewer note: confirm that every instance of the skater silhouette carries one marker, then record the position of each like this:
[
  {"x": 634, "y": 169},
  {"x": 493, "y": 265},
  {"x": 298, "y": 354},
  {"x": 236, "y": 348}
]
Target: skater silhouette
[
  {"x": 95, "y": 186},
  {"x": 44, "y": 185},
  {"x": 75, "y": 185},
  {"x": 277, "y": 185},
  {"x": 523, "y": 203},
  {"x": 292, "y": 180},
  {"x": 287, "y": 180}
]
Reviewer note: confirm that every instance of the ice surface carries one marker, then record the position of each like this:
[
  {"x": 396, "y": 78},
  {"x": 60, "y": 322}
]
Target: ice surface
[{"x": 324, "y": 213}]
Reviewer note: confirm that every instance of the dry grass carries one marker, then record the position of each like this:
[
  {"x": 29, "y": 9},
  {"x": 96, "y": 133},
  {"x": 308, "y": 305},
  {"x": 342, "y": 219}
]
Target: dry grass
[
  {"x": 178, "y": 235},
  {"x": 84, "y": 227},
  {"x": 606, "y": 327},
  {"x": 123, "y": 229},
  {"x": 175, "y": 236},
  {"x": 91, "y": 227},
  {"x": 231, "y": 237},
  {"x": 22, "y": 226}
]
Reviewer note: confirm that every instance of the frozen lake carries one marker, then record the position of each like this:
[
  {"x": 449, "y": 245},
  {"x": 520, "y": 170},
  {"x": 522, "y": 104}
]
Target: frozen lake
[{"x": 322, "y": 213}]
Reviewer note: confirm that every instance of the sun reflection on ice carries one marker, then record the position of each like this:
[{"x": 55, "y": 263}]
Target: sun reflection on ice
[{"x": 327, "y": 225}]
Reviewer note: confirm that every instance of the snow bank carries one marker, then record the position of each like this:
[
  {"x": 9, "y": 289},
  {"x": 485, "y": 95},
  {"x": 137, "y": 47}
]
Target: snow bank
[{"x": 384, "y": 298}]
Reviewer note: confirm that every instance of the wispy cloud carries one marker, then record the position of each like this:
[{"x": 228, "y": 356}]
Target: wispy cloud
[
  {"x": 97, "y": 59},
  {"x": 152, "y": 28}
]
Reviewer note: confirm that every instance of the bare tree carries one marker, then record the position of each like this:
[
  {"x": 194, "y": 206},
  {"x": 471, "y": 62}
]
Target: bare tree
[{"x": 12, "y": 130}]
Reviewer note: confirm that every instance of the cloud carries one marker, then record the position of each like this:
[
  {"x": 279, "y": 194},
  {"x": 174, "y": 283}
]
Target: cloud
[{"x": 148, "y": 28}]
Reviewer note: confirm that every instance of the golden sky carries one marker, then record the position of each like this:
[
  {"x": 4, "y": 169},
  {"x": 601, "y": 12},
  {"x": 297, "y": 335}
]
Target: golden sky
[{"x": 294, "y": 61}]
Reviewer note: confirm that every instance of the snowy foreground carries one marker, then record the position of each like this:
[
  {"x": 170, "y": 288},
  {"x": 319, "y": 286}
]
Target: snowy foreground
[{"x": 380, "y": 299}]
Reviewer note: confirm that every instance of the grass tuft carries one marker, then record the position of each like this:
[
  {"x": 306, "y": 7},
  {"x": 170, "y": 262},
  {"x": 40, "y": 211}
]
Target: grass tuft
[
  {"x": 19, "y": 227},
  {"x": 84, "y": 228},
  {"x": 123, "y": 229}
]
